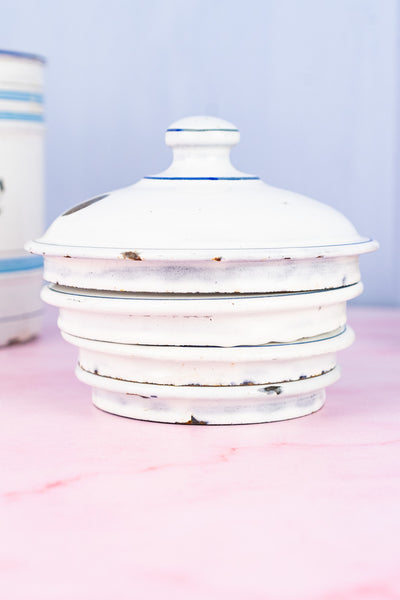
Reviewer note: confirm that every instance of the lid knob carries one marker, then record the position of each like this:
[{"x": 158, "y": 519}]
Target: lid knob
[{"x": 201, "y": 147}]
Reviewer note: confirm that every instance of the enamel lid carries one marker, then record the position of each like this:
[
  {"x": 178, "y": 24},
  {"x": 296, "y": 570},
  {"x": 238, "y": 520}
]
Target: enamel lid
[{"x": 200, "y": 204}]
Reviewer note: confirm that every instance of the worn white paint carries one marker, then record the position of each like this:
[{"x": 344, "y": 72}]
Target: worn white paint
[
  {"x": 208, "y": 405},
  {"x": 202, "y": 226},
  {"x": 212, "y": 366},
  {"x": 217, "y": 357},
  {"x": 192, "y": 320}
]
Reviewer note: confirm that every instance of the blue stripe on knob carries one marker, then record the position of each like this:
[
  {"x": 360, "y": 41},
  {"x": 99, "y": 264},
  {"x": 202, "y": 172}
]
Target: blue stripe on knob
[{"x": 201, "y": 130}]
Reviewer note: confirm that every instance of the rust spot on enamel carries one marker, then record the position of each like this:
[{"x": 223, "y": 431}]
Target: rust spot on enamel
[
  {"x": 131, "y": 255},
  {"x": 218, "y": 258},
  {"x": 194, "y": 421},
  {"x": 272, "y": 389}
]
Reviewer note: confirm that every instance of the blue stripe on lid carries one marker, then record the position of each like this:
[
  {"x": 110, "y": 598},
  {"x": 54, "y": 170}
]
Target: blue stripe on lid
[
  {"x": 202, "y": 178},
  {"x": 20, "y": 263}
]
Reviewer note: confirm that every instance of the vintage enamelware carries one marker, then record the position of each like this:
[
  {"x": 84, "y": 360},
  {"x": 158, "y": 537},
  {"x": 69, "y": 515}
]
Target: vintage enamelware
[
  {"x": 215, "y": 366},
  {"x": 21, "y": 192},
  {"x": 202, "y": 226},
  {"x": 209, "y": 405},
  {"x": 203, "y": 294},
  {"x": 191, "y": 320}
]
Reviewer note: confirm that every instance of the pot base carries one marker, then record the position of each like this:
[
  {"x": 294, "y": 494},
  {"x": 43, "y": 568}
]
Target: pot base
[{"x": 209, "y": 405}]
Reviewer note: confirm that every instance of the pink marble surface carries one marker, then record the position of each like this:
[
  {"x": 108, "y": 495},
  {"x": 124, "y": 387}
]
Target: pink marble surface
[{"x": 100, "y": 507}]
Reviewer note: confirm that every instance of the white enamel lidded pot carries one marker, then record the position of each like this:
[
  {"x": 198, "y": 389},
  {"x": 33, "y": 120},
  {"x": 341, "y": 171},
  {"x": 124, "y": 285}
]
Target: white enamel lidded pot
[
  {"x": 21, "y": 193},
  {"x": 203, "y": 295}
]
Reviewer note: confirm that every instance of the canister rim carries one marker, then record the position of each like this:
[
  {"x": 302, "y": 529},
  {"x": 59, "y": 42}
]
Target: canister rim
[{"x": 26, "y": 55}]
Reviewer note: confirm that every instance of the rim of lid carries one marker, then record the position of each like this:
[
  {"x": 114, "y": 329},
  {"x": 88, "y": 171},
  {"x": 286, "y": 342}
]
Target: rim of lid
[{"x": 363, "y": 246}]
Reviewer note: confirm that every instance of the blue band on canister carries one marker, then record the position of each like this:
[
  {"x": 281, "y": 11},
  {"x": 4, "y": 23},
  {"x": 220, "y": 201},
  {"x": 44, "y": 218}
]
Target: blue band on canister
[
  {"x": 17, "y": 116},
  {"x": 20, "y": 263},
  {"x": 21, "y": 96}
]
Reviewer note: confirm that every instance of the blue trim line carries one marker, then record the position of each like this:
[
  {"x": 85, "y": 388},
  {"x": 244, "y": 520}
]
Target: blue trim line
[
  {"x": 17, "y": 54},
  {"x": 16, "y": 116},
  {"x": 300, "y": 342},
  {"x": 195, "y": 297},
  {"x": 20, "y": 96},
  {"x": 20, "y": 263},
  {"x": 213, "y": 250},
  {"x": 184, "y": 129},
  {"x": 203, "y": 178}
]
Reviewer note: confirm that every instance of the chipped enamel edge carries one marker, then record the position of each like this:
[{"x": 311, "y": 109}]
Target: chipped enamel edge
[{"x": 229, "y": 254}]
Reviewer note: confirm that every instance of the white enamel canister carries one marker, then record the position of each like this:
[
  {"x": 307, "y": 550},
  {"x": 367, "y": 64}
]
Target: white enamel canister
[
  {"x": 203, "y": 295},
  {"x": 21, "y": 193}
]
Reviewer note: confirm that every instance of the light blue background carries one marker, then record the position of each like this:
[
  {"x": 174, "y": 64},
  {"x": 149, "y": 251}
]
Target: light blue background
[{"x": 311, "y": 84}]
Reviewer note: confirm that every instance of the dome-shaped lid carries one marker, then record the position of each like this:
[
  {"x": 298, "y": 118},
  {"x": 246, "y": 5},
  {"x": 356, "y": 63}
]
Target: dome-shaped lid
[{"x": 200, "y": 203}]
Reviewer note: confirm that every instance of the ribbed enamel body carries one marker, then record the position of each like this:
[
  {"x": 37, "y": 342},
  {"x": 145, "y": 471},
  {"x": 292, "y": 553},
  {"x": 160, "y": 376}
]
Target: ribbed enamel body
[{"x": 202, "y": 293}]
